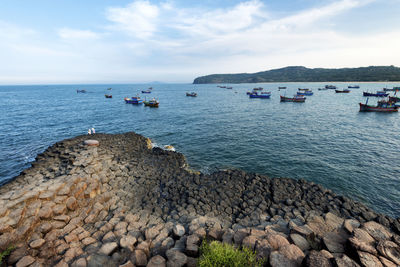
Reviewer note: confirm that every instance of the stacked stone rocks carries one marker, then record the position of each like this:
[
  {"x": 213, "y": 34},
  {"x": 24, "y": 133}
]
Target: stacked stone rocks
[{"x": 124, "y": 204}]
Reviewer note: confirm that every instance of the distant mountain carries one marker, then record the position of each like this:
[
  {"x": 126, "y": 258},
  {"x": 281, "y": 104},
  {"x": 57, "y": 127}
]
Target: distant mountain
[{"x": 303, "y": 74}]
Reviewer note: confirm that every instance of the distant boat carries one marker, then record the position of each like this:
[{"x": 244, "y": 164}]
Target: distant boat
[
  {"x": 152, "y": 103},
  {"x": 394, "y": 89},
  {"x": 295, "y": 98},
  {"x": 191, "y": 94},
  {"x": 282, "y": 87},
  {"x": 109, "y": 88},
  {"x": 382, "y": 106},
  {"x": 258, "y": 89},
  {"x": 133, "y": 100},
  {"x": 353, "y": 86},
  {"x": 229, "y": 87},
  {"x": 322, "y": 89},
  {"x": 108, "y": 96},
  {"x": 343, "y": 91},
  {"x": 378, "y": 94},
  {"x": 146, "y": 92},
  {"x": 80, "y": 91},
  {"x": 309, "y": 92},
  {"x": 330, "y": 86},
  {"x": 303, "y": 89},
  {"x": 261, "y": 95}
]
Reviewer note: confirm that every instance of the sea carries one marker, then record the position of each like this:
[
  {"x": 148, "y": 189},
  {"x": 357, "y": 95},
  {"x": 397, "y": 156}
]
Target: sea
[{"x": 325, "y": 140}]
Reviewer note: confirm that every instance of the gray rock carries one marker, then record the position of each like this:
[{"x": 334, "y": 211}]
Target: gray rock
[
  {"x": 345, "y": 261},
  {"x": 108, "y": 248},
  {"x": 178, "y": 230},
  {"x": 367, "y": 259},
  {"x": 96, "y": 260},
  {"x": 335, "y": 241},
  {"x": 175, "y": 258},
  {"x": 317, "y": 259},
  {"x": 278, "y": 260},
  {"x": 157, "y": 261},
  {"x": 300, "y": 241},
  {"x": 390, "y": 250}
]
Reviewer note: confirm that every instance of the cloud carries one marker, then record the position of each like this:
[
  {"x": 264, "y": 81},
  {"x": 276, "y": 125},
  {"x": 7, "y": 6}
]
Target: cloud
[
  {"x": 67, "y": 33},
  {"x": 138, "y": 19}
]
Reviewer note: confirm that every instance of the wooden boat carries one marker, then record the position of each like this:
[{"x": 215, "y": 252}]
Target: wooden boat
[
  {"x": 382, "y": 106},
  {"x": 133, "y": 100},
  {"x": 261, "y": 95},
  {"x": 353, "y": 86},
  {"x": 80, "y": 91},
  {"x": 378, "y": 94},
  {"x": 343, "y": 91},
  {"x": 394, "y": 99},
  {"x": 295, "y": 98},
  {"x": 108, "y": 96},
  {"x": 152, "y": 103},
  {"x": 191, "y": 94},
  {"x": 305, "y": 93},
  {"x": 282, "y": 87},
  {"x": 330, "y": 87},
  {"x": 146, "y": 92}
]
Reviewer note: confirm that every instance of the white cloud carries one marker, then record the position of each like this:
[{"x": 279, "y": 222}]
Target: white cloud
[
  {"x": 138, "y": 19},
  {"x": 67, "y": 33}
]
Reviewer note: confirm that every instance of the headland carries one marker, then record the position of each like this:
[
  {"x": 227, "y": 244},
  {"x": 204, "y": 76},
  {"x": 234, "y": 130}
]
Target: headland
[{"x": 124, "y": 203}]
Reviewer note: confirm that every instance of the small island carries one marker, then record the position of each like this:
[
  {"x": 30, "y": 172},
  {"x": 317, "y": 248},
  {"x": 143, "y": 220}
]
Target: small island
[{"x": 303, "y": 74}]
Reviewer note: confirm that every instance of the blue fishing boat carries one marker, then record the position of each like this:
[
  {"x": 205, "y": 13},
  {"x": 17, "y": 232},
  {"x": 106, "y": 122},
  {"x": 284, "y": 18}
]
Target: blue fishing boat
[
  {"x": 378, "y": 94},
  {"x": 133, "y": 100},
  {"x": 261, "y": 95},
  {"x": 146, "y": 92},
  {"x": 309, "y": 92}
]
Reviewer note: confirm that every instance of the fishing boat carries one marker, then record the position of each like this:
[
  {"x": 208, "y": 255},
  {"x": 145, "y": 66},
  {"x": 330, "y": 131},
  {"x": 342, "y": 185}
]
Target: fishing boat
[
  {"x": 394, "y": 89},
  {"x": 133, "y": 100},
  {"x": 303, "y": 89},
  {"x": 382, "y": 106},
  {"x": 152, "y": 103},
  {"x": 261, "y": 95},
  {"x": 146, "y": 92},
  {"x": 342, "y": 91},
  {"x": 353, "y": 86},
  {"x": 295, "y": 98},
  {"x": 108, "y": 96},
  {"x": 257, "y": 89},
  {"x": 191, "y": 94},
  {"x": 109, "y": 88},
  {"x": 305, "y": 93},
  {"x": 330, "y": 86},
  {"x": 378, "y": 94},
  {"x": 282, "y": 87},
  {"x": 229, "y": 87},
  {"x": 322, "y": 89},
  {"x": 80, "y": 91}
]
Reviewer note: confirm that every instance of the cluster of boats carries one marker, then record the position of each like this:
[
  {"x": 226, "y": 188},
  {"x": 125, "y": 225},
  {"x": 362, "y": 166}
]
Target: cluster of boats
[{"x": 136, "y": 100}]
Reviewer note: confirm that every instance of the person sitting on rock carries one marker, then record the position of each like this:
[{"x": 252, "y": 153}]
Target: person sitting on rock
[{"x": 89, "y": 131}]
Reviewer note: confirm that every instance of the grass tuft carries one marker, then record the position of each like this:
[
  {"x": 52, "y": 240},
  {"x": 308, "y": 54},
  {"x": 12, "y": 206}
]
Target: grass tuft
[
  {"x": 217, "y": 254},
  {"x": 5, "y": 253}
]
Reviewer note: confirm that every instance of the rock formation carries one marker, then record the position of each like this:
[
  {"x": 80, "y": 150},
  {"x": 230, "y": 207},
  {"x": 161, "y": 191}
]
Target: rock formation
[{"x": 122, "y": 203}]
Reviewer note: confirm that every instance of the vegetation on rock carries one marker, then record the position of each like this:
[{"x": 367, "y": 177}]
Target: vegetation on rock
[
  {"x": 303, "y": 74},
  {"x": 5, "y": 253}
]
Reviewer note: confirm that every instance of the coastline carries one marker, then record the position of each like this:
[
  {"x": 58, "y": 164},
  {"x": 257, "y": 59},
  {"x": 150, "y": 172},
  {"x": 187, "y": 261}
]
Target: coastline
[{"x": 124, "y": 203}]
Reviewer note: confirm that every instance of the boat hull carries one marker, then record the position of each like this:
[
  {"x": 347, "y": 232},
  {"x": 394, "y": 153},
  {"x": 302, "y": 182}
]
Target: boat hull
[
  {"x": 365, "y": 108},
  {"x": 372, "y": 94},
  {"x": 293, "y": 99},
  {"x": 308, "y": 93},
  {"x": 342, "y": 91}
]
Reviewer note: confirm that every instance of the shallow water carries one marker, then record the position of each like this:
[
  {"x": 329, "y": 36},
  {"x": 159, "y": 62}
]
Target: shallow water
[{"x": 325, "y": 139}]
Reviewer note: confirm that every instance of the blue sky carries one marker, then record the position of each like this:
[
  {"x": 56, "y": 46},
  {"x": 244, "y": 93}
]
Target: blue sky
[{"x": 120, "y": 41}]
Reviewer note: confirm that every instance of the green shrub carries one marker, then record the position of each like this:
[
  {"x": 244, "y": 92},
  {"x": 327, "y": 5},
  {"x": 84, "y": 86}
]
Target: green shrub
[
  {"x": 218, "y": 254},
  {"x": 5, "y": 253}
]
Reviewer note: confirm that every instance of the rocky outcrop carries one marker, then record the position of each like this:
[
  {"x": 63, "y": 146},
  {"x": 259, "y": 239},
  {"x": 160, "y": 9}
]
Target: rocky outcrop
[{"x": 122, "y": 203}]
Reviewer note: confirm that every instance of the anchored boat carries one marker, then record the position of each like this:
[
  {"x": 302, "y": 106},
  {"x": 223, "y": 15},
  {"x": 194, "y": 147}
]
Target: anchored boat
[
  {"x": 152, "y": 103},
  {"x": 343, "y": 91},
  {"x": 261, "y": 95},
  {"x": 382, "y": 106},
  {"x": 194, "y": 94},
  {"x": 378, "y": 94},
  {"x": 133, "y": 100},
  {"x": 295, "y": 98},
  {"x": 108, "y": 96}
]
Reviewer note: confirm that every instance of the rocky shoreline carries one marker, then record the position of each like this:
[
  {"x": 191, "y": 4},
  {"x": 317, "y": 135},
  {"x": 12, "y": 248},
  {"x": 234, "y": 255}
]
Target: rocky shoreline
[{"x": 123, "y": 203}]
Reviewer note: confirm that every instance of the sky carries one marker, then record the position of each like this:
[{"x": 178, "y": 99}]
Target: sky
[{"x": 138, "y": 41}]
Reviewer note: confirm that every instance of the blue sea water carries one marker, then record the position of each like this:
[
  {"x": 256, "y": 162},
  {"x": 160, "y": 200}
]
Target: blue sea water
[{"x": 325, "y": 140}]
